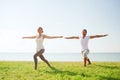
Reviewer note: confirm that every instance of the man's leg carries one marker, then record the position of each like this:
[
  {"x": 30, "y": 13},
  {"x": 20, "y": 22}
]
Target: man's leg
[
  {"x": 85, "y": 59},
  {"x": 85, "y": 53},
  {"x": 89, "y": 62}
]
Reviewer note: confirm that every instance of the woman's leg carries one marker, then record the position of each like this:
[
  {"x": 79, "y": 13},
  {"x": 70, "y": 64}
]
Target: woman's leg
[
  {"x": 35, "y": 57},
  {"x": 43, "y": 59}
]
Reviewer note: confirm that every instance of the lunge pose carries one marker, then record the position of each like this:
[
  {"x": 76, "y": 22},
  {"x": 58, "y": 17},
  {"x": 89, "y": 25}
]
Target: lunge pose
[
  {"x": 40, "y": 48},
  {"x": 84, "y": 43}
]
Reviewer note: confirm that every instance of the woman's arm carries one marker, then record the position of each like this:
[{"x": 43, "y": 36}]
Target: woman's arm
[
  {"x": 52, "y": 37},
  {"x": 29, "y": 37},
  {"x": 72, "y": 37},
  {"x": 98, "y": 36}
]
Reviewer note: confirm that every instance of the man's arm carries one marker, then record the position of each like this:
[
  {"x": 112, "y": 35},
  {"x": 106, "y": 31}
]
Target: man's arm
[
  {"x": 72, "y": 37},
  {"x": 98, "y": 36}
]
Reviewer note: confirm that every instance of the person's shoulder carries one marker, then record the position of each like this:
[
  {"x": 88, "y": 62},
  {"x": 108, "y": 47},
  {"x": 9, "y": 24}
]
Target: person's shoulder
[
  {"x": 87, "y": 36},
  {"x": 36, "y": 35},
  {"x": 44, "y": 35}
]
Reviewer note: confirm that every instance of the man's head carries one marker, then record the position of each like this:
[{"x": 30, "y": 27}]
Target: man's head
[{"x": 84, "y": 32}]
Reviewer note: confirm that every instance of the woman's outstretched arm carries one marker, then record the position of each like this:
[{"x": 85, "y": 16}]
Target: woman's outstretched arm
[
  {"x": 72, "y": 37},
  {"x": 52, "y": 37},
  {"x": 98, "y": 36},
  {"x": 29, "y": 37}
]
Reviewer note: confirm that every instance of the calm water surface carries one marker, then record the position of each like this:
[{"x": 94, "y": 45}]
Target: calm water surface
[{"x": 107, "y": 57}]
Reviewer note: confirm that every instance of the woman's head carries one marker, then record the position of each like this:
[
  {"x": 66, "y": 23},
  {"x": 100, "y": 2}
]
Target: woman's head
[
  {"x": 84, "y": 32},
  {"x": 40, "y": 30}
]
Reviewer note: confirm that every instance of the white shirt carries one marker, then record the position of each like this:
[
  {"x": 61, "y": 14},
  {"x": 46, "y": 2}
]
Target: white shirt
[
  {"x": 84, "y": 42},
  {"x": 39, "y": 42}
]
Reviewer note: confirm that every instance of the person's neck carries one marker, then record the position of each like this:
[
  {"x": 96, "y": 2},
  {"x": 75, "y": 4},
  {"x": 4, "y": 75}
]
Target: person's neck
[
  {"x": 40, "y": 34},
  {"x": 83, "y": 36}
]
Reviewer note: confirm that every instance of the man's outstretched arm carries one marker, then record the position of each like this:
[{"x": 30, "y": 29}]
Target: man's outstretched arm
[
  {"x": 98, "y": 36},
  {"x": 72, "y": 37}
]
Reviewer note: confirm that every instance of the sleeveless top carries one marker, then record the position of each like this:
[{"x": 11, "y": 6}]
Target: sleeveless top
[
  {"x": 39, "y": 42},
  {"x": 84, "y": 42}
]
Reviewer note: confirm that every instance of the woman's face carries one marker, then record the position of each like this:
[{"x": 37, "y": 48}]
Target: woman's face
[{"x": 40, "y": 30}]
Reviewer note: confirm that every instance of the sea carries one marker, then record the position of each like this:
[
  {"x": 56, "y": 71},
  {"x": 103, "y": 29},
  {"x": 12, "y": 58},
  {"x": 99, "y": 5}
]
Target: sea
[{"x": 59, "y": 57}]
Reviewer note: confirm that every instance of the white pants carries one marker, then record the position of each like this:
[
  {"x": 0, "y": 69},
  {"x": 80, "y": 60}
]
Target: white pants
[{"x": 85, "y": 53}]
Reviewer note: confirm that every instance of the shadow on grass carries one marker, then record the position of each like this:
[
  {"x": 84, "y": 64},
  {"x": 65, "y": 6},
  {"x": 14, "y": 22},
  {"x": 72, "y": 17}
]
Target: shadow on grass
[
  {"x": 4, "y": 68},
  {"x": 70, "y": 73},
  {"x": 108, "y": 78},
  {"x": 113, "y": 67},
  {"x": 108, "y": 67}
]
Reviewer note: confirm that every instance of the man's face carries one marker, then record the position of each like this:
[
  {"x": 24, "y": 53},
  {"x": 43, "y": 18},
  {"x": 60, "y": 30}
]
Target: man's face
[{"x": 84, "y": 32}]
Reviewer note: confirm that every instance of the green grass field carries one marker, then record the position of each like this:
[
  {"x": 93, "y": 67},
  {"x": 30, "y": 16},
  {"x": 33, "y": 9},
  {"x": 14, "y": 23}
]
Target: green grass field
[{"x": 60, "y": 71}]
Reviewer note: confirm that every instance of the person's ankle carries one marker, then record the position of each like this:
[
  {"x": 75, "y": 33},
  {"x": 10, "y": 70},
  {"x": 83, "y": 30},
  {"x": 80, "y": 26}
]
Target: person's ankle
[
  {"x": 35, "y": 68},
  {"x": 84, "y": 65},
  {"x": 49, "y": 65},
  {"x": 89, "y": 63}
]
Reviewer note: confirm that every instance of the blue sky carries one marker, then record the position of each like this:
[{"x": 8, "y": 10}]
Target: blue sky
[{"x": 59, "y": 17}]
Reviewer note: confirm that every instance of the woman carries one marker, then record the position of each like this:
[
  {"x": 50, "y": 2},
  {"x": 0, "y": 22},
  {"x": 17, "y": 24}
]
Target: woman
[{"x": 40, "y": 48}]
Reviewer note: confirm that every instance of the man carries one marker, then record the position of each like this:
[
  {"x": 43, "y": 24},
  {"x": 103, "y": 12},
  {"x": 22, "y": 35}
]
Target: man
[{"x": 84, "y": 43}]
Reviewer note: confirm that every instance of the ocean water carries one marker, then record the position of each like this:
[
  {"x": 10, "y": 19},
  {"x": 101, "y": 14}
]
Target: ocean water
[{"x": 104, "y": 57}]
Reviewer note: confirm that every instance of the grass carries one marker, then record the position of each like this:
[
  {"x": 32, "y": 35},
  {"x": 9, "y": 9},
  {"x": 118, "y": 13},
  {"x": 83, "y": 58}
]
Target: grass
[{"x": 10, "y": 70}]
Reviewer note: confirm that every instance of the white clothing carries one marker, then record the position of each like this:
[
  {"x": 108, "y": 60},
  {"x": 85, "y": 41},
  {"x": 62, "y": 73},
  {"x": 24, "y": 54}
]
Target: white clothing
[
  {"x": 84, "y": 42},
  {"x": 85, "y": 53},
  {"x": 39, "y": 42}
]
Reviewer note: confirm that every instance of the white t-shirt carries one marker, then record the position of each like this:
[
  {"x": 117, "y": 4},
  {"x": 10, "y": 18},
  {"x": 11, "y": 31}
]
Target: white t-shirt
[{"x": 84, "y": 42}]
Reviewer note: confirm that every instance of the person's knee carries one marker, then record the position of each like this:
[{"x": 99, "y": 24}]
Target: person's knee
[
  {"x": 35, "y": 56},
  {"x": 40, "y": 56},
  {"x": 85, "y": 57}
]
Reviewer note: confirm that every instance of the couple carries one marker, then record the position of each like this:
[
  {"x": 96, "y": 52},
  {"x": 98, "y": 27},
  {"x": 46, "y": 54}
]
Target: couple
[{"x": 40, "y": 48}]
